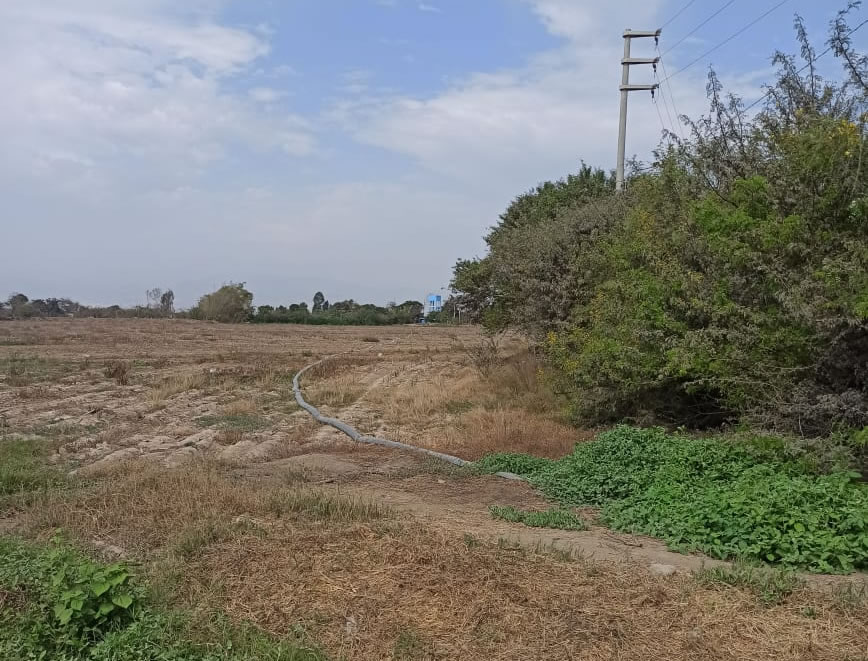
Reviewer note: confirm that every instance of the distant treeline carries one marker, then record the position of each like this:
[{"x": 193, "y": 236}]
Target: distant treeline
[
  {"x": 234, "y": 303},
  {"x": 19, "y": 306},
  {"x": 344, "y": 313},
  {"x": 231, "y": 303}
]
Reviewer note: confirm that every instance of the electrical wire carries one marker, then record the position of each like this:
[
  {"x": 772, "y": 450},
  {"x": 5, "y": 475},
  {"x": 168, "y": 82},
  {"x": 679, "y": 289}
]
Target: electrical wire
[
  {"x": 677, "y": 14},
  {"x": 728, "y": 39},
  {"x": 665, "y": 103},
  {"x": 694, "y": 30},
  {"x": 825, "y": 52},
  {"x": 660, "y": 116},
  {"x": 672, "y": 98}
]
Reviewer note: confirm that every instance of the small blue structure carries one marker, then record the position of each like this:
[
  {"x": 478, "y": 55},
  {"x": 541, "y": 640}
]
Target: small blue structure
[{"x": 434, "y": 304}]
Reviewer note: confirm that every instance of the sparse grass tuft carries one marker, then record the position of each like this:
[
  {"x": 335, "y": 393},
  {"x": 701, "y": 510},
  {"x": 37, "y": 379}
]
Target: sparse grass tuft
[
  {"x": 553, "y": 518},
  {"x": 239, "y": 422},
  {"x": 175, "y": 385},
  {"x": 851, "y": 598},
  {"x": 338, "y": 391},
  {"x": 410, "y": 646},
  {"x": 194, "y": 540},
  {"x": 229, "y": 436},
  {"x": 320, "y": 506},
  {"x": 240, "y": 407},
  {"x": 19, "y": 371},
  {"x": 770, "y": 586}
]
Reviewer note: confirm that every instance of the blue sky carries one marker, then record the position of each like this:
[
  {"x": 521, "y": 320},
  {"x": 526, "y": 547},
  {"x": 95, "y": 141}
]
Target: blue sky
[{"x": 354, "y": 146}]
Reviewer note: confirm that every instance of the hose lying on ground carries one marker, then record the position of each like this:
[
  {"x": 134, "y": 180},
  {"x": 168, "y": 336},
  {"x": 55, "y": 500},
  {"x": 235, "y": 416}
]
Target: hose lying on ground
[{"x": 373, "y": 440}]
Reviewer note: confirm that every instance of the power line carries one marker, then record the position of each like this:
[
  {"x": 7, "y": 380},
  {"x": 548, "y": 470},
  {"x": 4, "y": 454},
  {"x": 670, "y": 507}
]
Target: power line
[
  {"x": 666, "y": 105},
  {"x": 672, "y": 97},
  {"x": 660, "y": 116},
  {"x": 694, "y": 30},
  {"x": 677, "y": 14},
  {"x": 728, "y": 39},
  {"x": 766, "y": 95}
]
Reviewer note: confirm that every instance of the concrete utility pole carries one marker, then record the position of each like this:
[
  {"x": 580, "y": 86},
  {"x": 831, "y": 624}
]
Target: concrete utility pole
[{"x": 626, "y": 88}]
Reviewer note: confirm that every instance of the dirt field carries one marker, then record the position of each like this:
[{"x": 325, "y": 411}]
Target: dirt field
[{"x": 194, "y": 460}]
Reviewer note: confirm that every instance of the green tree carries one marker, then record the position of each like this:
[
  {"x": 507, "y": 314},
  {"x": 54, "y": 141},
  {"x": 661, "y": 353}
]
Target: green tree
[{"x": 232, "y": 303}]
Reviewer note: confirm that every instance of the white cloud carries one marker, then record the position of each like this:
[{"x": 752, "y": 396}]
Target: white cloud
[
  {"x": 266, "y": 94},
  {"x": 143, "y": 82},
  {"x": 509, "y": 129},
  {"x": 429, "y": 8}
]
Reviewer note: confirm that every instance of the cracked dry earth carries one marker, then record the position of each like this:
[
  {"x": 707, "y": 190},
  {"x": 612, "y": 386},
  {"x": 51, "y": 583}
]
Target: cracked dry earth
[{"x": 198, "y": 390}]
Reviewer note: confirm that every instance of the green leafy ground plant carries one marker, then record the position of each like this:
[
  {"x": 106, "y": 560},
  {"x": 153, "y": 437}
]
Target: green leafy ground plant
[
  {"x": 58, "y": 604},
  {"x": 726, "y": 499}
]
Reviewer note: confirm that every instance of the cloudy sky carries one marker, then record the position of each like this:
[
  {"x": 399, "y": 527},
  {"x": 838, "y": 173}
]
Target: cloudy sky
[{"x": 354, "y": 146}]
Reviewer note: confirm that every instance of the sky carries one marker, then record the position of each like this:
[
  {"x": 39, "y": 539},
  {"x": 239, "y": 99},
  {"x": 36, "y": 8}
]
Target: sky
[{"x": 357, "y": 147}]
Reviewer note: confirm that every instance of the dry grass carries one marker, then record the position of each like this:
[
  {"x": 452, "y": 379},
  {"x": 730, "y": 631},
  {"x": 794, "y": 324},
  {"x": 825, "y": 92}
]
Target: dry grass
[
  {"x": 127, "y": 503},
  {"x": 229, "y": 436},
  {"x": 482, "y": 432},
  {"x": 367, "y": 585},
  {"x": 119, "y": 371},
  {"x": 461, "y": 410},
  {"x": 417, "y": 399},
  {"x": 337, "y": 391},
  {"x": 174, "y": 385},
  {"x": 239, "y": 407}
]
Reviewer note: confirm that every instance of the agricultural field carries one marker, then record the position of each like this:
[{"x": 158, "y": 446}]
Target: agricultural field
[{"x": 167, "y": 463}]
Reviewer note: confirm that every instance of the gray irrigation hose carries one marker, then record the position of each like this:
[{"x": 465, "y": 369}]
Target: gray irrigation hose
[{"x": 373, "y": 440}]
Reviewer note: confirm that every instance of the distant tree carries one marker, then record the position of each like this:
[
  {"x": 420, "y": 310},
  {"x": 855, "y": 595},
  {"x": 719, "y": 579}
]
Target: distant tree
[
  {"x": 344, "y": 306},
  {"x": 411, "y": 310},
  {"x": 232, "y": 303},
  {"x": 153, "y": 297},
  {"x": 50, "y": 307},
  {"x": 167, "y": 302},
  {"x": 318, "y": 300},
  {"x": 17, "y": 299},
  {"x": 325, "y": 306},
  {"x": 20, "y": 306}
]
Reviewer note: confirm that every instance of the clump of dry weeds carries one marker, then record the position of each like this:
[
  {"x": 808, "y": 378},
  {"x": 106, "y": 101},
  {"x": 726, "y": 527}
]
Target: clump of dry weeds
[{"x": 119, "y": 371}]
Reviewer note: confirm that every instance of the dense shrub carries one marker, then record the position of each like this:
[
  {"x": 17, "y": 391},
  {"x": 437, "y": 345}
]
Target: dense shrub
[
  {"x": 726, "y": 499},
  {"x": 729, "y": 284}
]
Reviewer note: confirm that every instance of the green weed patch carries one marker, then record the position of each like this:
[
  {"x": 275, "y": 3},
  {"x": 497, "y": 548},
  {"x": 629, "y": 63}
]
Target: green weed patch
[
  {"x": 24, "y": 471},
  {"x": 554, "y": 518},
  {"x": 726, "y": 499},
  {"x": 56, "y": 603}
]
